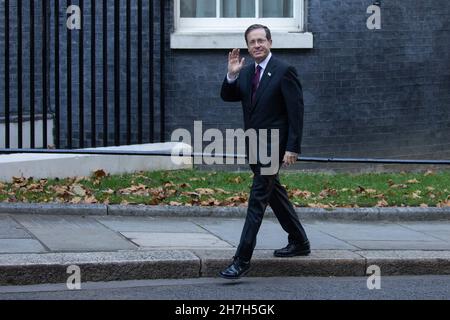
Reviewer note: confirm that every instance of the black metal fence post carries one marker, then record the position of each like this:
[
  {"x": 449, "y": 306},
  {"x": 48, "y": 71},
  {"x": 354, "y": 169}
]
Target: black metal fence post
[
  {"x": 41, "y": 30},
  {"x": 7, "y": 75}
]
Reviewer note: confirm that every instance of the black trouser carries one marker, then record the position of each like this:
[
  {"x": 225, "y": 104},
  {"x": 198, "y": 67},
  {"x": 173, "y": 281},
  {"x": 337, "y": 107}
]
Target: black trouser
[{"x": 267, "y": 190}]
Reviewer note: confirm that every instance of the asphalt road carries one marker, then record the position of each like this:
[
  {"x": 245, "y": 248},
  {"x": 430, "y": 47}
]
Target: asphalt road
[{"x": 392, "y": 288}]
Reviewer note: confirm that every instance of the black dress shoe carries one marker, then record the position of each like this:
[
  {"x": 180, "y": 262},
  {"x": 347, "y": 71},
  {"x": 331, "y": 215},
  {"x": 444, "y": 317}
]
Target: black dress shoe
[
  {"x": 293, "y": 250},
  {"x": 236, "y": 270}
]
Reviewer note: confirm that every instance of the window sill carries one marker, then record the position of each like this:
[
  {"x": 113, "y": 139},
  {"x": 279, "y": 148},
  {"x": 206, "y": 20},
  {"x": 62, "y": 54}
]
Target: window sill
[{"x": 228, "y": 40}]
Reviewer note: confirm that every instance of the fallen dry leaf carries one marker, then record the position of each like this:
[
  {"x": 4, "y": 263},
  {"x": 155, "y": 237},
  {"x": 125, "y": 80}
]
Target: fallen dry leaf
[
  {"x": 197, "y": 179},
  {"x": 399, "y": 186},
  {"x": 78, "y": 190},
  {"x": 221, "y": 191},
  {"x": 301, "y": 194},
  {"x": 108, "y": 191},
  {"x": 90, "y": 200},
  {"x": 318, "y": 205},
  {"x": 98, "y": 174},
  {"x": 429, "y": 173},
  {"x": 236, "y": 199},
  {"x": 443, "y": 204},
  {"x": 382, "y": 204},
  {"x": 237, "y": 180},
  {"x": 75, "y": 200},
  {"x": 169, "y": 184},
  {"x": 205, "y": 191},
  {"x": 413, "y": 181},
  {"x": 327, "y": 193},
  {"x": 210, "y": 203},
  {"x": 416, "y": 195}
]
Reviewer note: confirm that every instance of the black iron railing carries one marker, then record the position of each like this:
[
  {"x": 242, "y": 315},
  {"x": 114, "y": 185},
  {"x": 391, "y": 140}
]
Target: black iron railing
[{"x": 43, "y": 58}]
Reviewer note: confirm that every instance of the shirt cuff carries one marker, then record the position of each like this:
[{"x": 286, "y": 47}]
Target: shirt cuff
[{"x": 231, "y": 79}]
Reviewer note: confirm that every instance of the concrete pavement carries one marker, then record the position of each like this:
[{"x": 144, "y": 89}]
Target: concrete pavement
[{"x": 36, "y": 248}]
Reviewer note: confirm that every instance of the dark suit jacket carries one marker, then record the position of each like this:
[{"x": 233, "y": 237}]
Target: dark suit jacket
[{"x": 278, "y": 103}]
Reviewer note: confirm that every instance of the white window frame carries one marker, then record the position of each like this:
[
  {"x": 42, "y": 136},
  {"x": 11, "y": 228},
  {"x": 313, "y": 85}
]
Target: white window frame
[
  {"x": 218, "y": 23},
  {"x": 225, "y": 33}
]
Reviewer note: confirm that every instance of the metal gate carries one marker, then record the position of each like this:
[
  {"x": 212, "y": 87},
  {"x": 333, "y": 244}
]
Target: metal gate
[{"x": 87, "y": 85}]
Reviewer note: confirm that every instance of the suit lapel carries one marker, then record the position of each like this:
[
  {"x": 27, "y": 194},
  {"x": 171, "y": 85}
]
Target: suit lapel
[
  {"x": 266, "y": 78},
  {"x": 248, "y": 81}
]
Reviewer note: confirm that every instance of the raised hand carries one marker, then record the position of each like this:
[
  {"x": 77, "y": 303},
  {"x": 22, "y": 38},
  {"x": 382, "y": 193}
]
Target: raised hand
[{"x": 235, "y": 63}]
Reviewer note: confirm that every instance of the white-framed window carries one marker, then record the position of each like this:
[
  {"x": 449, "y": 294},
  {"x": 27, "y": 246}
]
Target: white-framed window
[
  {"x": 229, "y": 15},
  {"x": 220, "y": 24}
]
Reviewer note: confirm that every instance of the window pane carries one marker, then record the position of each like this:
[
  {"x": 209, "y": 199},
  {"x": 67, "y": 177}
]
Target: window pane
[
  {"x": 198, "y": 8},
  {"x": 238, "y": 8},
  {"x": 276, "y": 8}
]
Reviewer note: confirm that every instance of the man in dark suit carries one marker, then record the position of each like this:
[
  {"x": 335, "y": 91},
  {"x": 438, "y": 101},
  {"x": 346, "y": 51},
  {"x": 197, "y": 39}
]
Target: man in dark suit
[{"x": 272, "y": 98}]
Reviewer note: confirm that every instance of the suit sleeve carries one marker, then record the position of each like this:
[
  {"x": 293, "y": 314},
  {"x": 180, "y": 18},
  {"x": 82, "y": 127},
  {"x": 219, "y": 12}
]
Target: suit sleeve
[
  {"x": 230, "y": 91},
  {"x": 293, "y": 96}
]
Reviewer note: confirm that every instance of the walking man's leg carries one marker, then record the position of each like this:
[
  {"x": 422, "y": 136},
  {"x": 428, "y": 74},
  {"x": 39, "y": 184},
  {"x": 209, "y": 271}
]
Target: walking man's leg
[
  {"x": 286, "y": 215},
  {"x": 259, "y": 199}
]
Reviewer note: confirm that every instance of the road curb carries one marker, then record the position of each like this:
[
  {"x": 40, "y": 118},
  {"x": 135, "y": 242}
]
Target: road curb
[
  {"x": 26, "y": 269},
  {"x": 54, "y": 209},
  {"x": 346, "y": 214},
  {"x": 30, "y": 269}
]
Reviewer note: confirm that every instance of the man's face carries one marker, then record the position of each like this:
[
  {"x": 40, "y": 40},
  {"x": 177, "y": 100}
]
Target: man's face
[{"x": 258, "y": 45}]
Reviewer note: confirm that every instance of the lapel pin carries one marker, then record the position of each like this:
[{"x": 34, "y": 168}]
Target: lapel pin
[{"x": 269, "y": 74}]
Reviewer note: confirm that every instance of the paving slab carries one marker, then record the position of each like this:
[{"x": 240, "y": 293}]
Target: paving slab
[
  {"x": 271, "y": 235},
  {"x": 21, "y": 246},
  {"x": 24, "y": 269},
  {"x": 176, "y": 240},
  {"x": 401, "y": 245},
  {"x": 10, "y": 229},
  {"x": 74, "y": 234},
  {"x": 438, "y": 229},
  {"x": 150, "y": 224},
  {"x": 371, "y": 231}
]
